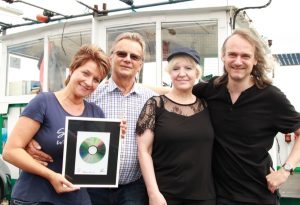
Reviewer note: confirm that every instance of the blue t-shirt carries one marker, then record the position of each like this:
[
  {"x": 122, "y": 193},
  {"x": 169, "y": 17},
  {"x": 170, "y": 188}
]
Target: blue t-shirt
[{"x": 46, "y": 109}]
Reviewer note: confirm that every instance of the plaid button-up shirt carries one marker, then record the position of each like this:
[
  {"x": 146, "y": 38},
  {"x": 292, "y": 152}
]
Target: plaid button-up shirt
[{"x": 115, "y": 105}]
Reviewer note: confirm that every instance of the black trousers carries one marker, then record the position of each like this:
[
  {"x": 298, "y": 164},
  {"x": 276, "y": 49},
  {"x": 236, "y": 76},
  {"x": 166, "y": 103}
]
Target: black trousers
[
  {"x": 223, "y": 201},
  {"x": 171, "y": 200}
]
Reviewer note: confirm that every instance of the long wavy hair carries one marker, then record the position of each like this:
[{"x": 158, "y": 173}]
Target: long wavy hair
[{"x": 260, "y": 70}]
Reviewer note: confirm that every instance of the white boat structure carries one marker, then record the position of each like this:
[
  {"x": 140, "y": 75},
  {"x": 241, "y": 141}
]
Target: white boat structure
[{"x": 36, "y": 58}]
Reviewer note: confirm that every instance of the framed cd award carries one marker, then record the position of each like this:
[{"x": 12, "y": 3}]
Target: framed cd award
[{"x": 92, "y": 151}]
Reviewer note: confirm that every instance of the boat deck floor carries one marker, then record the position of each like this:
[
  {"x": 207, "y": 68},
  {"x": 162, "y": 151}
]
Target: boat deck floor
[{"x": 291, "y": 188}]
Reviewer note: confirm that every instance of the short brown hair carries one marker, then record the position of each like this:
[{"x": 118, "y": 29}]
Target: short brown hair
[{"x": 86, "y": 53}]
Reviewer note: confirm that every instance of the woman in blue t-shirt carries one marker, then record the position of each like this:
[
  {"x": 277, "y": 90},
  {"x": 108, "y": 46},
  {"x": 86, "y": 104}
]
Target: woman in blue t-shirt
[{"x": 43, "y": 119}]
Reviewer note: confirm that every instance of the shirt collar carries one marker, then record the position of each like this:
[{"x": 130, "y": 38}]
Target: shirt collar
[{"x": 112, "y": 86}]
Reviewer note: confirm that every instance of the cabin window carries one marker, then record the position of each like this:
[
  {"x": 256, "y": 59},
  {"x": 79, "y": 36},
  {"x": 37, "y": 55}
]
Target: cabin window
[{"x": 26, "y": 63}]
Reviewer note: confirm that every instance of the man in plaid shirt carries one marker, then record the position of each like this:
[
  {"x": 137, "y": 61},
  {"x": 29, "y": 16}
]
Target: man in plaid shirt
[{"x": 121, "y": 97}]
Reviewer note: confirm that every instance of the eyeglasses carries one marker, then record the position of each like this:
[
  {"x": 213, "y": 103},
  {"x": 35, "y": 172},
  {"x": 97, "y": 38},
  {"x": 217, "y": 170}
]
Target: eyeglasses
[{"x": 123, "y": 54}]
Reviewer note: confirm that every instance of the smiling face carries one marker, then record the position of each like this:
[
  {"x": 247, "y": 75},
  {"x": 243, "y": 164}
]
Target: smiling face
[
  {"x": 85, "y": 79},
  {"x": 183, "y": 73},
  {"x": 126, "y": 60},
  {"x": 239, "y": 59}
]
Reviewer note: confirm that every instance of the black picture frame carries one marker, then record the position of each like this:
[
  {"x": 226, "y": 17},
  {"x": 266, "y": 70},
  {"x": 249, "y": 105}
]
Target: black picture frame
[{"x": 92, "y": 151}]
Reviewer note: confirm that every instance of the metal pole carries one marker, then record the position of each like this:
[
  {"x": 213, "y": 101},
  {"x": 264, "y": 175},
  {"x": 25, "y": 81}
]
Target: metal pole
[{"x": 100, "y": 13}]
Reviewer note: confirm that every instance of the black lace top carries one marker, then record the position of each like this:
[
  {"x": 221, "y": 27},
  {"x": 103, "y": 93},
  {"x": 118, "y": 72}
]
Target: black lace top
[
  {"x": 146, "y": 119},
  {"x": 182, "y": 146}
]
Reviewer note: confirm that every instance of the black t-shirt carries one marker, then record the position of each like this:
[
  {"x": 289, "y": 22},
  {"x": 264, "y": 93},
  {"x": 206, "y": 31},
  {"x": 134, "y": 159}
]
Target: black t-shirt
[
  {"x": 244, "y": 133},
  {"x": 182, "y": 147}
]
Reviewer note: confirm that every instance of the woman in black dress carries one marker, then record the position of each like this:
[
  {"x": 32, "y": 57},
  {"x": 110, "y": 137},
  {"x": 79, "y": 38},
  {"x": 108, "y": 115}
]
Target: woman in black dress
[{"x": 175, "y": 139}]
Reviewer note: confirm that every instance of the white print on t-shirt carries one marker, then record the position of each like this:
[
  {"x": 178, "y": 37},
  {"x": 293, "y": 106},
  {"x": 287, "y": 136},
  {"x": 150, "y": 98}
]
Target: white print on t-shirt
[{"x": 60, "y": 136}]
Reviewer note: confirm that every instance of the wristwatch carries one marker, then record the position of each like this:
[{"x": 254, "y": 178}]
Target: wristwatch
[{"x": 288, "y": 167}]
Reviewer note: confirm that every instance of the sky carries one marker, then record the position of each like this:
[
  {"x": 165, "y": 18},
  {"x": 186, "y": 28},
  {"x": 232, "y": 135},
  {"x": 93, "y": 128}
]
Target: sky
[
  {"x": 276, "y": 22},
  {"x": 279, "y": 23}
]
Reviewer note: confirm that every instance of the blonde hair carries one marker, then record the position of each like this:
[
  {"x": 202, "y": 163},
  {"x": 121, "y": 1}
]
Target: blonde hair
[
  {"x": 187, "y": 58},
  {"x": 263, "y": 66},
  {"x": 133, "y": 37},
  {"x": 86, "y": 53}
]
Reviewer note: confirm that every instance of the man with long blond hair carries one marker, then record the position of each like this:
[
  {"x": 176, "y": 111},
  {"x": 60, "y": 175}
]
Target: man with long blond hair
[{"x": 247, "y": 112}]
